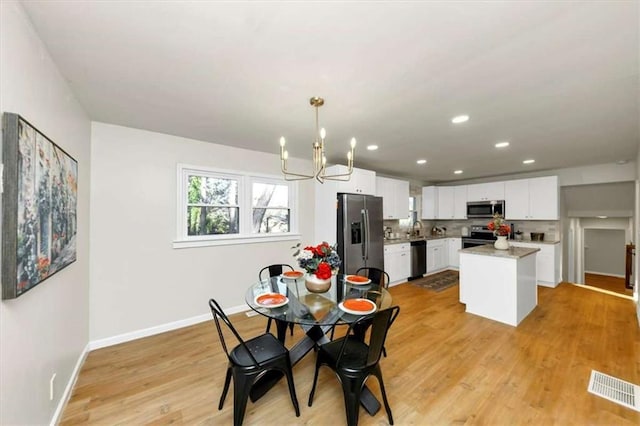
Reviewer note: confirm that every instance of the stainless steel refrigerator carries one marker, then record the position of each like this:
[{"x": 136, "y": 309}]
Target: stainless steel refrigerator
[{"x": 360, "y": 232}]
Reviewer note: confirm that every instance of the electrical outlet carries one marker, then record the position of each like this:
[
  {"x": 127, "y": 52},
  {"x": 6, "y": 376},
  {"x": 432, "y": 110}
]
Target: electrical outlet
[{"x": 51, "y": 382}]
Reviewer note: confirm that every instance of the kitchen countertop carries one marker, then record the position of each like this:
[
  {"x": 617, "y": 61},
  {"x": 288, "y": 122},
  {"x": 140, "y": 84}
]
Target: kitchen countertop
[
  {"x": 528, "y": 241},
  {"x": 410, "y": 239},
  {"x": 489, "y": 250}
]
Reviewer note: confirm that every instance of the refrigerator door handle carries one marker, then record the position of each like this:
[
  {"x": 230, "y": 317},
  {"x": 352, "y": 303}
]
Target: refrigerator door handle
[{"x": 366, "y": 234}]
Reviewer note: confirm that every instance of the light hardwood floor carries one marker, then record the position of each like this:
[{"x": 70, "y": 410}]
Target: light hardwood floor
[
  {"x": 444, "y": 367},
  {"x": 607, "y": 282}
]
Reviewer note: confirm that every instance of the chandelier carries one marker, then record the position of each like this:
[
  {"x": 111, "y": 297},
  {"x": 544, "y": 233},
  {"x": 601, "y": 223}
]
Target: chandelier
[{"x": 319, "y": 158}]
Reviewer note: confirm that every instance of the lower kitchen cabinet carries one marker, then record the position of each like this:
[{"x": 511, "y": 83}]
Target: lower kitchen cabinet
[
  {"x": 397, "y": 262},
  {"x": 455, "y": 244},
  {"x": 437, "y": 255},
  {"x": 547, "y": 262}
]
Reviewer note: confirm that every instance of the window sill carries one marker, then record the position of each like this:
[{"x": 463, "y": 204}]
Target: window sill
[{"x": 227, "y": 240}]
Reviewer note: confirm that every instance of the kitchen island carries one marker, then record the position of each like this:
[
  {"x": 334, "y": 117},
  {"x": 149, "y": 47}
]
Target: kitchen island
[{"x": 499, "y": 284}]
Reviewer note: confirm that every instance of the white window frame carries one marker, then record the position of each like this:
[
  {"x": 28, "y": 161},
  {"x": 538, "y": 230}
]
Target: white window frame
[{"x": 245, "y": 186}]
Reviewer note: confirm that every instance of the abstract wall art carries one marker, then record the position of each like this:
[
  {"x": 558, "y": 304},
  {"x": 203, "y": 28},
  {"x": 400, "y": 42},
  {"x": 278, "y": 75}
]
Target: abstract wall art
[{"x": 39, "y": 207}]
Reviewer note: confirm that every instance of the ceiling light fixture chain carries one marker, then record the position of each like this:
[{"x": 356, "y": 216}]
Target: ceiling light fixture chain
[{"x": 319, "y": 158}]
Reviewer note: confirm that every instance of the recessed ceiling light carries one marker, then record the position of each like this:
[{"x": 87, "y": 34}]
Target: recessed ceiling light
[
  {"x": 502, "y": 144},
  {"x": 460, "y": 119},
  {"x": 601, "y": 217},
  {"x": 458, "y": 172},
  {"x": 421, "y": 161},
  {"x": 372, "y": 147},
  {"x": 621, "y": 162},
  {"x": 529, "y": 161}
]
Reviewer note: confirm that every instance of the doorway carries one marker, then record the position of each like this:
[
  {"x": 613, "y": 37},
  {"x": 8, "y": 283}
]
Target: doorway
[{"x": 604, "y": 259}]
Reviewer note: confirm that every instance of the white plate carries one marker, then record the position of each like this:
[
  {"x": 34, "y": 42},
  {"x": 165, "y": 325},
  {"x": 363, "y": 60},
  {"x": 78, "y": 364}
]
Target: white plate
[
  {"x": 271, "y": 305},
  {"x": 358, "y": 312},
  {"x": 283, "y": 276},
  {"x": 368, "y": 281}
]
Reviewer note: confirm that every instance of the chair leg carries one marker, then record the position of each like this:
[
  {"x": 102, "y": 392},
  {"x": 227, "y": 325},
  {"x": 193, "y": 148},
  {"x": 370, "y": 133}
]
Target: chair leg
[
  {"x": 315, "y": 382},
  {"x": 225, "y": 389},
  {"x": 384, "y": 351},
  {"x": 292, "y": 388},
  {"x": 241, "y": 387},
  {"x": 291, "y": 327},
  {"x": 268, "y": 325},
  {"x": 378, "y": 374},
  {"x": 351, "y": 389}
]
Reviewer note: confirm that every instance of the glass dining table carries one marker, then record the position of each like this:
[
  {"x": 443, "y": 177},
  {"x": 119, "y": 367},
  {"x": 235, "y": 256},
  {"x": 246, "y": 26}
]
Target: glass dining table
[{"x": 316, "y": 314}]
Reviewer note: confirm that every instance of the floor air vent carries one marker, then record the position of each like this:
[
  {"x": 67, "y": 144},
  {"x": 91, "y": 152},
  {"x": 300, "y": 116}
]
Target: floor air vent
[{"x": 615, "y": 390}]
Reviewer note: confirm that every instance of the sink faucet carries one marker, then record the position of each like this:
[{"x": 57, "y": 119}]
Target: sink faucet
[{"x": 413, "y": 227}]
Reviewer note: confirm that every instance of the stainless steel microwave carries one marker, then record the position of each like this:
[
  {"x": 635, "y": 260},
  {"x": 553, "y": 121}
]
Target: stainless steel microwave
[{"x": 484, "y": 209}]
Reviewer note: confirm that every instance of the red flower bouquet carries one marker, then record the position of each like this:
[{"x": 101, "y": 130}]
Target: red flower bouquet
[
  {"x": 499, "y": 226},
  {"x": 320, "y": 260}
]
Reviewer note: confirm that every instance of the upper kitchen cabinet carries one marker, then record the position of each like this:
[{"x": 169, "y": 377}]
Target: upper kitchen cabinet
[
  {"x": 361, "y": 181},
  {"x": 485, "y": 191},
  {"x": 395, "y": 195},
  {"x": 460, "y": 199},
  {"x": 429, "y": 202},
  {"x": 445, "y": 202},
  {"x": 452, "y": 202},
  {"x": 532, "y": 199}
]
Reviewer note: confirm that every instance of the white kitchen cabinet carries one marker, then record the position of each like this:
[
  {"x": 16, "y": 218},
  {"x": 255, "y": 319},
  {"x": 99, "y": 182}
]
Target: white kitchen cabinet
[
  {"x": 395, "y": 194},
  {"x": 485, "y": 191},
  {"x": 452, "y": 202},
  {"x": 437, "y": 255},
  {"x": 397, "y": 262},
  {"x": 543, "y": 198},
  {"x": 547, "y": 262},
  {"x": 445, "y": 202},
  {"x": 455, "y": 244},
  {"x": 361, "y": 181},
  {"x": 532, "y": 199},
  {"x": 429, "y": 202},
  {"x": 460, "y": 202}
]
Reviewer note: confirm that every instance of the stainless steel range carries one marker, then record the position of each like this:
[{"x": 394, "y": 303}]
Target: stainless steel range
[{"x": 479, "y": 236}]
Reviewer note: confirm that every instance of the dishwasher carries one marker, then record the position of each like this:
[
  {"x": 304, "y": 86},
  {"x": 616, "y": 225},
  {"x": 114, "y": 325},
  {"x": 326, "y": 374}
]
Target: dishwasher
[{"x": 418, "y": 259}]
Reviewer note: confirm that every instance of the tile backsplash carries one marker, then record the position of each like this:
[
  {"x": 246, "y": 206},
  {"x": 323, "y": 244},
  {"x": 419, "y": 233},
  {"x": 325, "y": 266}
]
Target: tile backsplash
[{"x": 551, "y": 228}]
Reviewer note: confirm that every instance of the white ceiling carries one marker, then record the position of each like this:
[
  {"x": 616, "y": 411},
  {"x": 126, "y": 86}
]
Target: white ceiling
[{"x": 559, "y": 80}]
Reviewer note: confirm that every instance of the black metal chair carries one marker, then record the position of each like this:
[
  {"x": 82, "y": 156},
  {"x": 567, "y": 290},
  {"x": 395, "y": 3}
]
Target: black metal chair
[
  {"x": 275, "y": 270},
  {"x": 354, "y": 360},
  {"x": 380, "y": 277},
  {"x": 248, "y": 361},
  {"x": 376, "y": 275}
]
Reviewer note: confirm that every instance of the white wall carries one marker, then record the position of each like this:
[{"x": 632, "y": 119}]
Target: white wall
[
  {"x": 44, "y": 331},
  {"x": 137, "y": 279}
]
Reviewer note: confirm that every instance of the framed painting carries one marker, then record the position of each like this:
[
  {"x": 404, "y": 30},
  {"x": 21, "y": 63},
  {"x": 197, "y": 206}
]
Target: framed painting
[{"x": 39, "y": 207}]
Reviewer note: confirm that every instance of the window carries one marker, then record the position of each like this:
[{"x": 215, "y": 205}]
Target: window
[
  {"x": 229, "y": 207},
  {"x": 271, "y": 212},
  {"x": 212, "y": 205}
]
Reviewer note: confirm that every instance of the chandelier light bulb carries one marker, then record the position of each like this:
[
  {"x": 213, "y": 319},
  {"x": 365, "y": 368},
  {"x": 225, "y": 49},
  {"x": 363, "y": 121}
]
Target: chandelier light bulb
[
  {"x": 282, "y": 141},
  {"x": 323, "y": 133},
  {"x": 286, "y": 155},
  {"x": 353, "y": 143},
  {"x": 324, "y": 160}
]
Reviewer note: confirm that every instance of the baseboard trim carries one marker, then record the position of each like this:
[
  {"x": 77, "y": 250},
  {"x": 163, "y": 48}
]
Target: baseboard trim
[
  {"x": 606, "y": 274},
  {"x": 69, "y": 388},
  {"x": 162, "y": 328}
]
